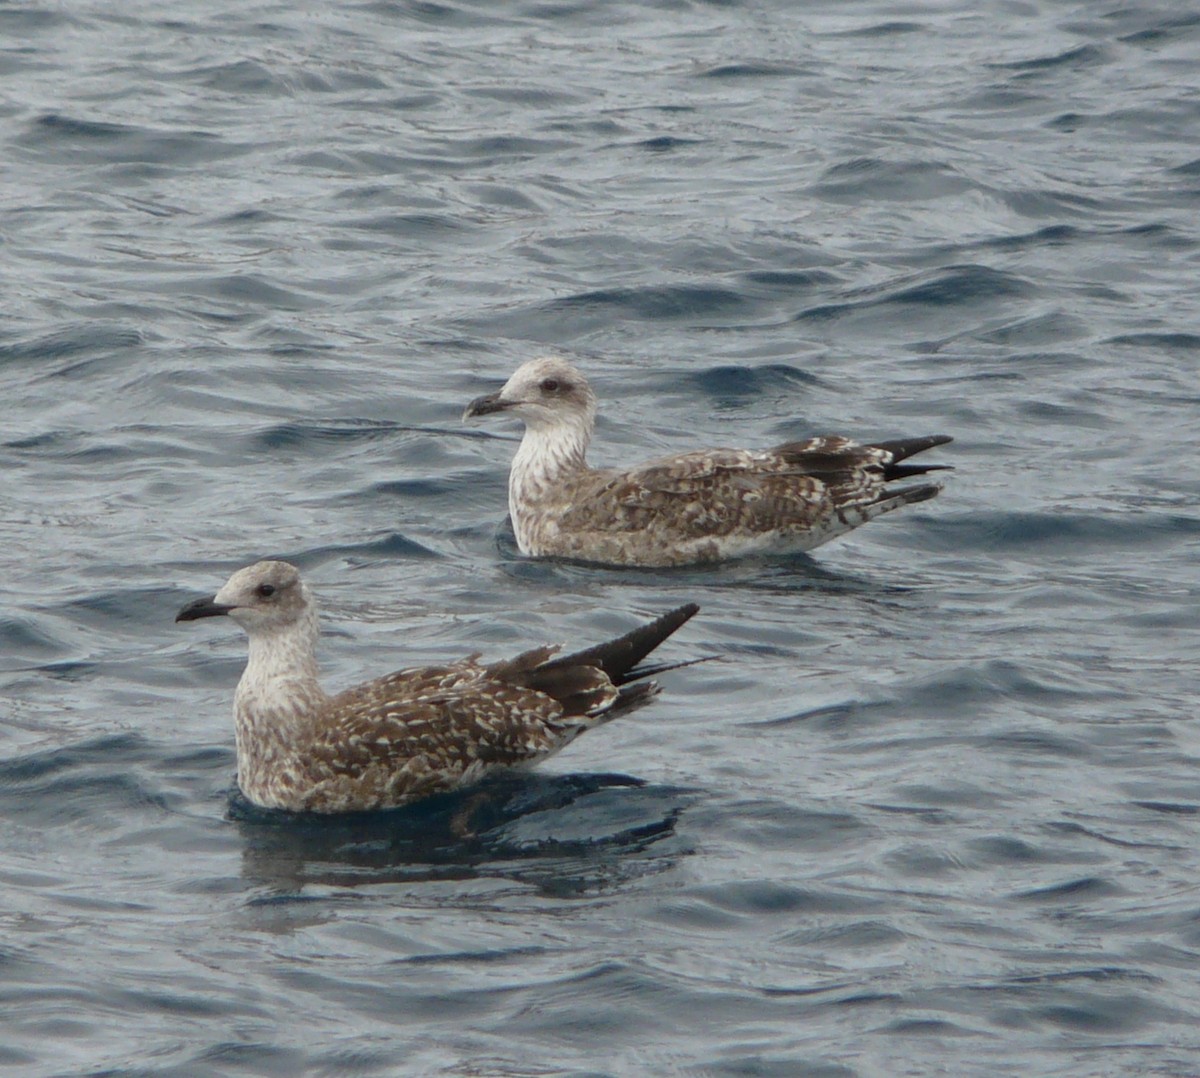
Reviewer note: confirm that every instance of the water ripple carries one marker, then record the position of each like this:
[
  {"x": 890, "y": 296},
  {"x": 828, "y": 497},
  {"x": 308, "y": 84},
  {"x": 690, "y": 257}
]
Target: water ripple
[{"x": 936, "y": 802}]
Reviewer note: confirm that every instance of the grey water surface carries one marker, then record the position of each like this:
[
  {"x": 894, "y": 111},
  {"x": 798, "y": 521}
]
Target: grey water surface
[{"x": 934, "y": 811}]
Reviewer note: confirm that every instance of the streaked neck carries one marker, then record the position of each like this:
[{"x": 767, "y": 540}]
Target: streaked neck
[
  {"x": 546, "y": 458},
  {"x": 546, "y": 455},
  {"x": 277, "y": 697},
  {"x": 281, "y": 674}
]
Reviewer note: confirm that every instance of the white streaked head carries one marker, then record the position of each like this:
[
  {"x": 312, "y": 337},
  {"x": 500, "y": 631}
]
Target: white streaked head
[
  {"x": 546, "y": 393},
  {"x": 264, "y": 598}
]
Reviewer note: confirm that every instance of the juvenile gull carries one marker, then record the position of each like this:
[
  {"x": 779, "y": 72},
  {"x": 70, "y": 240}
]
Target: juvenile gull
[
  {"x": 687, "y": 509},
  {"x": 413, "y": 733}
]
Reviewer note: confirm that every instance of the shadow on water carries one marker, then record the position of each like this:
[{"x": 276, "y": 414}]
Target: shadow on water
[
  {"x": 778, "y": 574},
  {"x": 564, "y": 835}
]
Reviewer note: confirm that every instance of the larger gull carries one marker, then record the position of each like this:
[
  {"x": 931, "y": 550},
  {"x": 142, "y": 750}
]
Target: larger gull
[
  {"x": 689, "y": 509},
  {"x": 410, "y": 734}
]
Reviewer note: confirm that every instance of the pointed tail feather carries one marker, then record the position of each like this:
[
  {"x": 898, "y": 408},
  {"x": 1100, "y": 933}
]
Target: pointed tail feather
[
  {"x": 643, "y": 671},
  {"x": 619, "y": 658},
  {"x": 903, "y": 448},
  {"x": 907, "y": 471}
]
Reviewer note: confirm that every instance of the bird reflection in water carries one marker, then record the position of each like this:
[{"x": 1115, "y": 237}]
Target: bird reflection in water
[{"x": 565, "y": 835}]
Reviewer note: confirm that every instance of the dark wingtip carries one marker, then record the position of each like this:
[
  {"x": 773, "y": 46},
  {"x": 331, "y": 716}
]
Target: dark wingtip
[
  {"x": 208, "y": 607},
  {"x": 619, "y": 658},
  {"x": 903, "y": 448}
]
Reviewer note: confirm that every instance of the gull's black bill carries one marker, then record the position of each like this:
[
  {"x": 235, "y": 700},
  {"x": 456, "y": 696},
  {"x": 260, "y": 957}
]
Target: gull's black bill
[
  {"x": 202, "y": 608},
  {"x": 486, "y": 406}
]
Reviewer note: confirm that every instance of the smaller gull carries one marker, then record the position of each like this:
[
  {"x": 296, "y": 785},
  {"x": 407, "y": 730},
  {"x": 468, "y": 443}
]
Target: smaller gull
[
  {"x": 414, "y": 733},
  {"x": 690, "y": 509}
]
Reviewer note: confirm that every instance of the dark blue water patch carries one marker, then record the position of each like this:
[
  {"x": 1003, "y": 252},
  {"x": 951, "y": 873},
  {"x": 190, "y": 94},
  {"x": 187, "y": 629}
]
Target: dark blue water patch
[
  {"x": 1043, "y": 202},
  {"x": 892, "y": 28},
  {"x": 578, "y": 316},
  {"x": 1170, "y": 808},
  {"x": 788, "y": 282},
  {"x": 1008, "y": 850},
  {"x": 837, "y": 718},
  {"x": 23, "y": 640},
  {"x": 1039, "y": 239},
  {"x": 18, "y": 21},
  {"x": 773, "y": 1065},
  {"x": 771, "y": 898},
  {"x": 65, "y": 343},
  {"x": 128, "y": 747},
  {"x": 317, "y": 437},
  {"x": 934, "y": 817},
  {"x": 1172, "y": 28},
  {"x": 882, "y": 180},
  {"x": 658, "y": 302},
  {"x": 1067, "y": 827},
  {"x": 1052, "y": 327},
  {"x": 927, "y": 1027},
  {"x": 978, "y": 688},
  {"x": 1060, "y": 533},
  {"x": 765, "y": 823},
  {"x": 431, "y": 227},
  {"x": 666, "y": 143},
  {"x": 70, "y": 446},
  {"x": 754, "y": 70},
  {"x": 21, "y": 63},
  {"x": 1069, "y": 122},
  {"x": 1083, "y": 56},
  {"x": 539, "y": 97},
  {"x": 736, "y": 385},
  {"x": 919, "y": 860},
  {"x": 88, "y": 783},
  {"x": 129, "y": 605},
  {"x": 504, "y": 196},
  {"x": 1086, "y": 889},
  {"x": 69, "y": 140},
  {"x": 870, "y": 934},
  {"x": 1192, "y": 168},
  {"x": 322, "y": 160},
  {"x": 493, "y": 150},
  {"x": 1105, "y": 1001},
  {"x": 390, "y": 547},
  {"x": 1160, "y": 236},
  {"x": 410, "y": 489},
  {"x": 240, "y": 218},
  {"x": 430, "y": 13},
  {"x": 961, "y": 285},
  {"x": 252, "y": 77},
  {"x": 69, "y": 670},
  {"x": 1072, "y": 415},
  {"x": 14, "y": 1057},
  {"x": 1166, "y": 341},
  {"x": 966, "y": 286},
  {"x": 197, "y": 760},
  {"x": 251, "y": 290},
  {"x": 1092, "y": 975},
  {"x": 1001, "y": 99}
]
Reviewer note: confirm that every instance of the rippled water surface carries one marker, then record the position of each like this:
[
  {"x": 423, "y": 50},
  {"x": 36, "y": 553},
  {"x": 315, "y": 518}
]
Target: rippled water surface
[{"x": 936, "y": 810}]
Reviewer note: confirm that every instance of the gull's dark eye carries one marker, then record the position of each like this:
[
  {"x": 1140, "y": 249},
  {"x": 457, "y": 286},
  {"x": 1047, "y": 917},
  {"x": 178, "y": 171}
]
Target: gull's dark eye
[
  {"x": 265, "y": 590},
  {"x": 550, "y": 385}
]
